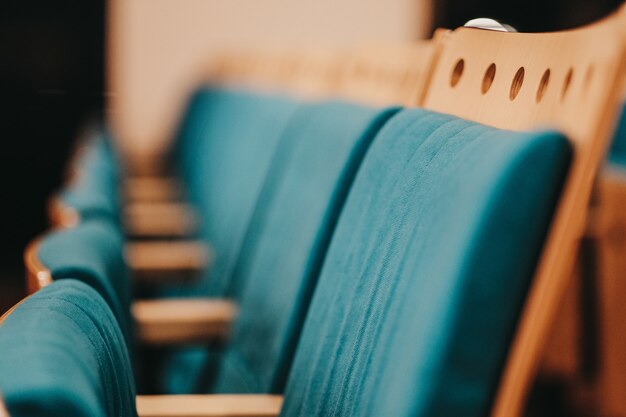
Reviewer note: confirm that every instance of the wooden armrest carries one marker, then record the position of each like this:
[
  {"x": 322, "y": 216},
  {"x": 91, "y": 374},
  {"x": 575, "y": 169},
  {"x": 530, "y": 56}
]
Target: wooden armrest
[
  {"x": 159, "y": 219},
  {"x": 37, "y": 274},
  {"x": 151, "y": 188},
  {"x": 241, "y": 405},
  {"x": 3, "y": 410},
  {"x": 183, "y": 321},
  {"x": 60, "y": 215},
  {"x": 164, "y": 261}
]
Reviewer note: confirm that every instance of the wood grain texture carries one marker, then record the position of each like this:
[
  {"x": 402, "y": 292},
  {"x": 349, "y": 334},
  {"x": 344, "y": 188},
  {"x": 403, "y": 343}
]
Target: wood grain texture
[
  {"x": 183, "y": 321},
  {"x": 581, "y": 99},
  {"x": 209, "y": 405}
]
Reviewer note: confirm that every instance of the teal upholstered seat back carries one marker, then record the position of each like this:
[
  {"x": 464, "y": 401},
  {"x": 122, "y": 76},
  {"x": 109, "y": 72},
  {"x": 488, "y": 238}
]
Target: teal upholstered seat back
[
  {"x": 93, "y": 191},
  {"x": 63, "y": 354},
  {"x": 428, "y": 266},
  {"x": 92, "y": 252},
  {"x": 310, "y": 175},
  {"x": 617, "y": 153},
  {"x": 226, "y": 143}
]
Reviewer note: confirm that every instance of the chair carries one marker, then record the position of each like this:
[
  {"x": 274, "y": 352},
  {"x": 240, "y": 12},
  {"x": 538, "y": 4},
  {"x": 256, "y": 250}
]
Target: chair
[
  {"x": 388, "y": 343},
  {"x": 223, "y": 152},
  {"x": 90, "y": 252},
  {"x": 92, "y": 189},
  {"x": 63, "y": 354},
  {"x": 277, "y": 267},
  {"x": 528, "y": 81}
]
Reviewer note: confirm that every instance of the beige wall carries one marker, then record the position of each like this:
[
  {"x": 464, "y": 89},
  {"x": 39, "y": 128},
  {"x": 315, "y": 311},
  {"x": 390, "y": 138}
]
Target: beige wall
[{"x": 157, "y": 48}]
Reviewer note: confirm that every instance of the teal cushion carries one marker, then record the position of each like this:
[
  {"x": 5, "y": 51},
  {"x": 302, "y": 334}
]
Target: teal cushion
[
  {"x": 92, "y": 252},
  {"x": 223, "y": 151},
  {"x": 93, "y": 191},
  {"x": 63, "y": 354},
  {"x": 617, "y": 153},
  {"x": 423, "y": 282},
  {"x": 226, "y": 142},
  {"x": 273, "y": 281}
]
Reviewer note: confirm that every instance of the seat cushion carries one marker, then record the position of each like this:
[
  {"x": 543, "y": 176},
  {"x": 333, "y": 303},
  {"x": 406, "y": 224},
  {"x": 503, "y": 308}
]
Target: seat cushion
[
  {"x": 93, "y": 189},
  {"x": 273, "y": 281},
  {"x": 92, "y": 252},
  {"x": 223, "y": 151},
  {"x": 63, "y": 354},
  {"x": 427, "y": 270},
  {"x": 225, "y": 145}
]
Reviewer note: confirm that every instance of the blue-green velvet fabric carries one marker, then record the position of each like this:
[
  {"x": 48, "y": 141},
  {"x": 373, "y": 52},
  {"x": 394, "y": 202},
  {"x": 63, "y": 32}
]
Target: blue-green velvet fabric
[
  {"x": 93, "y": 253},
  {"x": 308, "y": 181},
  {"x": 422, "y": 285},
  {"x": 223, "y": 151},
  {"x": 225, "y": 146},
  {"x": 62, "y": 354},
  {"x": 617, "y": 153},
  {"x": 93, "y": 191}
]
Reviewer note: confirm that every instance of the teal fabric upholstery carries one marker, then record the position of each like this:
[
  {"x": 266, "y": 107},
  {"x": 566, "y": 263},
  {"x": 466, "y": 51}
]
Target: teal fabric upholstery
[
  {"x": 223, "y": 151},
  {"x": 63, "y": 354},
  {"x": 92, "y": 252},
  {"x": 225, "y": 146},
  {"x": 93, "y": 192},
  {"x": 422, "y": 285},
  {"x": 617, "y": 153},
  {"x": 273, "y": 281}
]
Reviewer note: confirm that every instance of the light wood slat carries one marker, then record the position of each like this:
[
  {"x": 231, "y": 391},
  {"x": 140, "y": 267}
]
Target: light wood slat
[
  {"x": 183, "y": 321},
  {"x": 159, "y": 219},
  {"x": 167, "y": 261},
  {"x": 209, "y": 405},
  {"x": 151, "y": 189}
]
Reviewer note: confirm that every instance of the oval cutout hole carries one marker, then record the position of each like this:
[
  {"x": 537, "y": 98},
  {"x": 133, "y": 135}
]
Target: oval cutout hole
[
  {"x": 543, "y": 85},
  {"x": 457, "y": 72},
  {"x": 516, "y": 85},
  {"x": 488, "y": 78},
  {"x": 588, "y": 77},
  {"x": 567, "y": 82}
]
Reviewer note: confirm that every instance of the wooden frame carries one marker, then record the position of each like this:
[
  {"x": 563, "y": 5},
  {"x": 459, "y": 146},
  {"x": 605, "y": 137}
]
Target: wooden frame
[
  {"x": 610, "y": 240},
  {"x": 159, "y": 219},
  {"x": 209, "y": 405},
  {"x": 3, "y": 409},
  {"x": 61, "y": 215},
  {"x": 151, "y": 189},
  {"x": 37, "y": 274},
  {"x": 167, "y": 261},
  {"x": 578, "y": 96},
  {"x": 390, "y": 74},
  {"x": 183, "y": 321}
]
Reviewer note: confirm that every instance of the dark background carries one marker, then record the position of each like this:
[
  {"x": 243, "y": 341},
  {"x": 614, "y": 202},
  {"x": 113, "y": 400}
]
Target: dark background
[{"x": 52, "y": 80}]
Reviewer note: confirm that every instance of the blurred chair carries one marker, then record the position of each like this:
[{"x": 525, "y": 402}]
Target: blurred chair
[
  {"x": 277, "y": 267},
  {"x": 90, "y": 252},
  {"x": 63, "y": 354}
]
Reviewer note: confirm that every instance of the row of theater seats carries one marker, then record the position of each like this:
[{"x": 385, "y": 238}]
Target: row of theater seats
[{"x": 338, "y": 258}]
